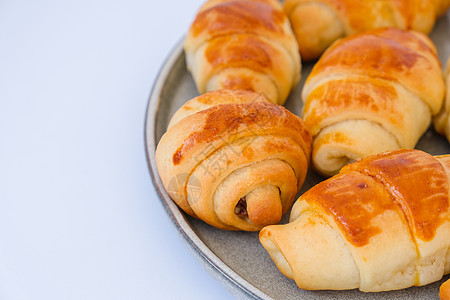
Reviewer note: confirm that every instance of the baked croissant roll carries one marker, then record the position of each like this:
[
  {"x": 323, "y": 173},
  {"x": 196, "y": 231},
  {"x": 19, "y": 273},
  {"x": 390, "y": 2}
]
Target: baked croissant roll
[
  {"x": 381, "y": 224},
  {"x": 367, "y": 95},
  {"x": 444, "y": 291},
  {"x": 243, "y": 44},
  {"x": 441, "y": 121},
  {"x": 233, "y": 159},
  {"x": 318, "y": 23}
]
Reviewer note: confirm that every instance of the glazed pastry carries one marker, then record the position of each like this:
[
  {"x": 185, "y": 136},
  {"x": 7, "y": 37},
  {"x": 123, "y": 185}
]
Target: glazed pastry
[
  {"x": 441, "y": 121},
  {"x": 233, "y": 159},
  {"x": 444, "y": 291},
  {"x": 243, "y": 44},
  {"x": 382, "y": 224},
  {"x": 318, "y": 23},
  {"x": 367, "y": 95}
]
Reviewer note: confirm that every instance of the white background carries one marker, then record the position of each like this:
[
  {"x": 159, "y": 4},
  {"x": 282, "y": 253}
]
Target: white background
[{"x": 79, "y": 217}]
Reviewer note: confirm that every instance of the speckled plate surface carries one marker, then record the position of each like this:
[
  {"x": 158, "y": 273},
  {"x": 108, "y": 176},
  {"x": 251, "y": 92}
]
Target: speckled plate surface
[{"x": 237, "y": 259}]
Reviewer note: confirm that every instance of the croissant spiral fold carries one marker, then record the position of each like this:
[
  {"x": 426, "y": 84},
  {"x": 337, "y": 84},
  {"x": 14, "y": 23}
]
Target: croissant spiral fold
[
  {"x": 367, "y": 95},
  {"x": 233, "y": 159},
  {"x": 243, "y": 44},
  {"x": 382, "y": 223}
]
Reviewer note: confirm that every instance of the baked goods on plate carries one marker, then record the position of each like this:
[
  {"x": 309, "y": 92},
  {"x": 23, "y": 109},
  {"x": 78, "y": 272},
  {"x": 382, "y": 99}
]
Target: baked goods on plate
[{"x": 237, "y": 259}]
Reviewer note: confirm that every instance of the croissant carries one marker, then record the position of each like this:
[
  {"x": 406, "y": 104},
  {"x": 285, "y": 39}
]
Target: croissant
[
  {"x": 441, "y": 121},
  {"x": 444, "y": 291},
  {"x": 233, "y": 159},
  {"x": 243, "y": 44},
  {"x": 382, "y": 223},
  {"x": 317, "y": 24},
  {"x": 367, "y": 95}
]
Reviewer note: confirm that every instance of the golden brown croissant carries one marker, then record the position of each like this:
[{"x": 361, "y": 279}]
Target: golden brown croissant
[
  {"x": 243, "y": 44},
  {"x": 441, "y": 121},
  {"x": 367, "y": 95},
  {"x": 233, "y": 159},
  {"x": 444, "y": 291},
  {"x": 383, "y": 223},
  {"x": 318, "y": 23}
]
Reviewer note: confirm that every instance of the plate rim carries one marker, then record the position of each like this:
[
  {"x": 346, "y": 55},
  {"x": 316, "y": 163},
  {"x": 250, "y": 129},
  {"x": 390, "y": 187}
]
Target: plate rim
[{"x": 191, "y": 239}]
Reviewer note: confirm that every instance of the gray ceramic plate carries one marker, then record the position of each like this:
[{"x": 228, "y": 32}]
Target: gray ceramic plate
[{"x": 237, "y": 259}]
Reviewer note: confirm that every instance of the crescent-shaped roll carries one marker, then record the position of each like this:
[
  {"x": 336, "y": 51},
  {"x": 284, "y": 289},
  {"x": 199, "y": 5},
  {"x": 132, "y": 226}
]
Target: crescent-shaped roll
[
  {"x": 382, "y": 223},
  {"x": 243, "y": 44},
  {"x": 370, "y": 93},
  {"x": 441, "y": 121},
  {"x": 444, "y": 290},
  {"x": 233, "y": 159},
  {"x": 318, "y": 23}
]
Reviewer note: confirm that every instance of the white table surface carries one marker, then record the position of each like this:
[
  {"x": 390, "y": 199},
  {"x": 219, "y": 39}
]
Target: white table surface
[{"x": 79, "y": 217}]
